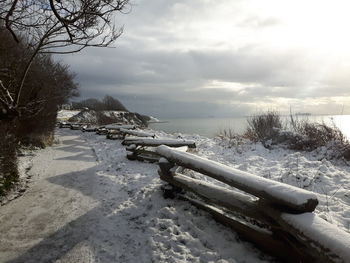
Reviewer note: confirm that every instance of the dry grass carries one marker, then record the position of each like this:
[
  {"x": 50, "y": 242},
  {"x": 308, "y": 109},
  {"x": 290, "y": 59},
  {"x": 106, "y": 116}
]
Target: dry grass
[
  {"x": 300, "y": 135},
  {"x": 263, "y": 126},
  {"x": 232, "y": 138},
  {"x": 315, "y": 135}
]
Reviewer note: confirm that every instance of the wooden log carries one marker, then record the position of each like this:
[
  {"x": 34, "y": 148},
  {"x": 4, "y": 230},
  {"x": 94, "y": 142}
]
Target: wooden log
[
  {"x": 102, "y": 131},
  {"x": 118, "y": 127},
  {"x": 307, "y": 234},
  {"x": 264, "y": 240},
  {"x": 240, "y": 203},
  {"x": 142, "y": 154},
  {"x": 131, "y": 156},
  {"x": 114, "y": 136},
  {"x": 136, "y": 133},
  {"x": 165, "y": 166},
  {"x": 156, "y": 142},
  {"x": 324, "y": 241},
  {"x": 151, "y": 159},
  {"x": 286, "y": 197},
  {"x": 131, "y": 147}
]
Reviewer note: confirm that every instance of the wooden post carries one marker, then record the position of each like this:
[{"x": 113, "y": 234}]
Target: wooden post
[{"x": 165, "y": 166}]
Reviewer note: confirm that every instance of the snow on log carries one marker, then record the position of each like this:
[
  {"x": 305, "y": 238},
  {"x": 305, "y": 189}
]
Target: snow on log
[
  {"x": 156, "y": 142},
  {"x": 137, "y": 133},
  {"x": 238, "y": 202},
  {"x": 286, "y": 197},
  {"x": 316, "y": 232}
]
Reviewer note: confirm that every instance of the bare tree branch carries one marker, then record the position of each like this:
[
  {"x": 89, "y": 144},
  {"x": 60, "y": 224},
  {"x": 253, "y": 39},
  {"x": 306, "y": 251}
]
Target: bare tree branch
[
  {"x": 8, "y": 22},
  {"x": 57, "y": 27}
]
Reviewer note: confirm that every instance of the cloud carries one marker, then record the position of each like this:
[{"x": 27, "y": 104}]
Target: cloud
[{"x": 182, "y": 58}]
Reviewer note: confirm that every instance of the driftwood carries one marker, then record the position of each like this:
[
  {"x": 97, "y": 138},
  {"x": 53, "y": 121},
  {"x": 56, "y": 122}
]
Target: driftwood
[
  {"x": 302, "y": 237},
  {"x": 265, "y": 240},
  {"x": 136, "y": 133},
  {"x": 119, "y": 126},
  {"x": 142, "y": 154},
  {"x": 89, "y": 129},
  {"x": 157, "y": 142},
  {"x": 142, "y": 157},
  {"x": 286, "y": 197},
  {"x": 64, "y": 124},
  {"x": 218, "y": 195},
  {"x": 114, "y": 136},
  {"x": 113, "y": 128},
  {"x": 102, "y": 131},
  {"x": 321, "y": 239},
  {"x": 282, "y": 226},
  {"x": 143, "y": 148}
]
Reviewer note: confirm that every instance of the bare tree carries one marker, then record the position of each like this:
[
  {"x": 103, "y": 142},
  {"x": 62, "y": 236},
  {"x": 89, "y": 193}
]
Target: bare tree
[
  {"x": 111, "y": 103},
  {"x": 55, "y": 27}
]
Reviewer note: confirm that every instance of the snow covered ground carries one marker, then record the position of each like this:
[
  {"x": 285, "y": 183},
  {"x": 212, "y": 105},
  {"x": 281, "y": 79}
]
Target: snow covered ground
[
  {"x": 105, "y": 208},
  {"x": 64, "y": 115}
]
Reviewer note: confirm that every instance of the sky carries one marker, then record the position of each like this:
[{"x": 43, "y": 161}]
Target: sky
[{"x": 224, "y": 58}]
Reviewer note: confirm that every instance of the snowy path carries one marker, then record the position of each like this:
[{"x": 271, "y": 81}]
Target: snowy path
[{"x": 88, "y": 203}]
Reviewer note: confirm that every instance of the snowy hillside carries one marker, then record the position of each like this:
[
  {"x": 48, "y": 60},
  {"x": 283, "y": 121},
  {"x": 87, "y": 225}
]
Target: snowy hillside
[{"x": 64, "y": 115}]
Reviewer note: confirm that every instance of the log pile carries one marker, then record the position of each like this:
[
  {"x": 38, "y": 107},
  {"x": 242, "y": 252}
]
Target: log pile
[{"x": 276, "y": 217}]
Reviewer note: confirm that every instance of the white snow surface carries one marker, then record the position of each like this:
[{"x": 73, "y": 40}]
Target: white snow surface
[
  {"x": 66, "y": 114},
  {"x": 97, "y": 206}
]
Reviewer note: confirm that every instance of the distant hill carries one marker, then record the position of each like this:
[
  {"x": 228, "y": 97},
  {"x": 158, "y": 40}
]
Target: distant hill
[
  {"x": 105, "y": 117},
  {"x": 108, "y": 103}
]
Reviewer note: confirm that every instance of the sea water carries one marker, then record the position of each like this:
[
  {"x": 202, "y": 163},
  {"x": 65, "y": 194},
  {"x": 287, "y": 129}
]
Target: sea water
[{"x": 210, "y": 127}]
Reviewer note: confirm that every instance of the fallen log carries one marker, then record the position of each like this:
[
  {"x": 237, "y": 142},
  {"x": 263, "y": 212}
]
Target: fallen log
[
  {"x": 324, "y": 241},
  {"x": 136, "y": 133},
  {"x": 265, "y": 240},
  {"x": 234, "y": 201},
  {"x": 309, "y": 236},
  {"x": 283, "y": 196},
  {"x": 118, "y": 127},
  {"x": 156, "y": 142}
]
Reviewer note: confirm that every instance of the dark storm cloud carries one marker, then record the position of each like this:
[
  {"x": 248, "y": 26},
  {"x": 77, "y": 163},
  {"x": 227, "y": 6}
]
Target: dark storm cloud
[
  {"x": 181, "y": 75},
  {"x": 152, "y": 69}
]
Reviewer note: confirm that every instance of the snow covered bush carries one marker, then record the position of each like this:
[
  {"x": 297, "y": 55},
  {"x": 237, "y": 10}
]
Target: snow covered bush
[{"x": 296, "y": 134}]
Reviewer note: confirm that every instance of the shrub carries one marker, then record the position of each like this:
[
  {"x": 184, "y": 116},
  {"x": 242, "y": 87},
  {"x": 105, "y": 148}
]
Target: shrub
[
  {"x": 301, "y": 135},
  {"x": 229, "y": 136},
  {"x": 263, "y": 127},
  {"x": 315, "y": 135},
  {"x": 8, "y": 161}
]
